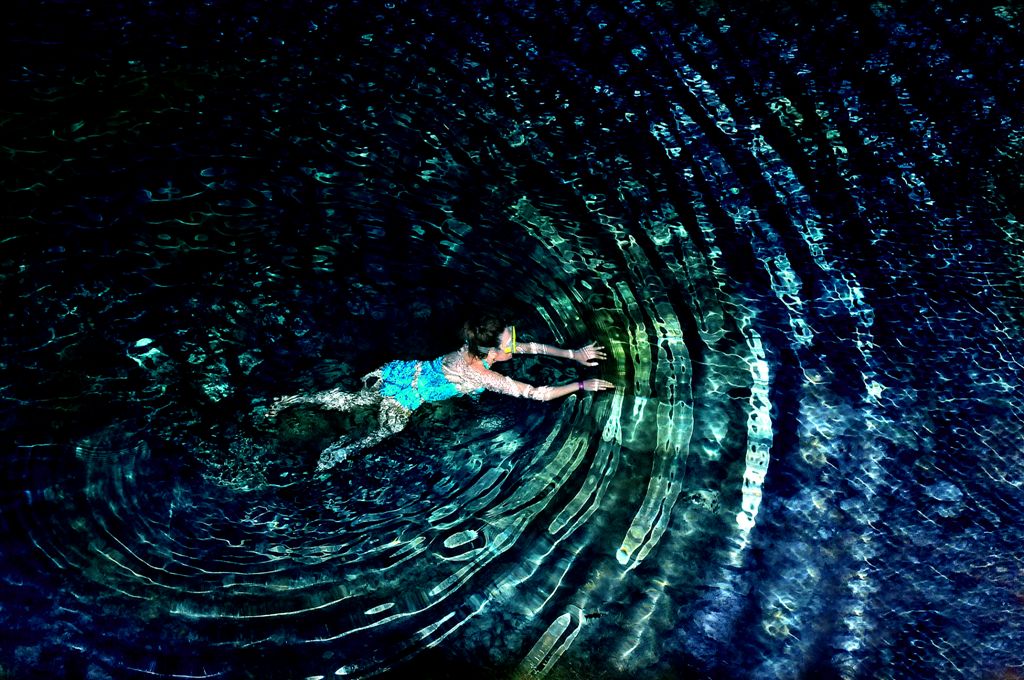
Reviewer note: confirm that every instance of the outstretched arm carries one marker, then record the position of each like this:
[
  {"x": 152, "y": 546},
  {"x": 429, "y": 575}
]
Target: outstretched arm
[
  {"x": 496, "y": 382},
  {"x": 588, "y": 355},
  {"x": 590, "y": 385}
]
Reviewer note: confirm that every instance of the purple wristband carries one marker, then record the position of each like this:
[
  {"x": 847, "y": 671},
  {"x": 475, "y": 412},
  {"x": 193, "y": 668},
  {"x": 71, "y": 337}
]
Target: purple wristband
[{"x": 580, "y": 385}]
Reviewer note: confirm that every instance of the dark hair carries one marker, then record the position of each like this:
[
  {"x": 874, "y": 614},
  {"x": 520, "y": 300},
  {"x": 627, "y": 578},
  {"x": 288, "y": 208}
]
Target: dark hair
[{"x": 483, "y": 332}]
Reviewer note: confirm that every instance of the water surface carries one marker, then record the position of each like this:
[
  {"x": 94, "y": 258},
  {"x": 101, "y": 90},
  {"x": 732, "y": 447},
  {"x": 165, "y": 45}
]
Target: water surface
[{"x": 797, "y": 232}]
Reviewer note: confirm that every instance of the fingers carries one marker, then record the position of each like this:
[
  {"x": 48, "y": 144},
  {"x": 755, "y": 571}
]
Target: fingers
[
  {"x": 597, "y": 385},
  {"x": 591, "y": 354}
]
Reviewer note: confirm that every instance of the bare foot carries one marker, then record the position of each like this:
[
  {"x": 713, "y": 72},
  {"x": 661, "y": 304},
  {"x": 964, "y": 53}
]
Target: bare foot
[
  {"x": 279, "y": 404},
  {"x": 332, "y": 455}
]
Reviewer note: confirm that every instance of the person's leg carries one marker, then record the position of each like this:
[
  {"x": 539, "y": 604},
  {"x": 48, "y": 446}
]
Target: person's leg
[
  {"x": 393, "y": 419},
  {"x": 334, "y": 400}
]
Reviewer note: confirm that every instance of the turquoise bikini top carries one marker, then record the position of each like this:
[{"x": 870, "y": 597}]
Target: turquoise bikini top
[{"x": 413, "y": 383}]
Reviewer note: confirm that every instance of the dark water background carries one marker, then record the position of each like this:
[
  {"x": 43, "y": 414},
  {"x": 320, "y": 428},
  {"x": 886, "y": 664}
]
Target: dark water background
[{"x": 796, "y": 229}]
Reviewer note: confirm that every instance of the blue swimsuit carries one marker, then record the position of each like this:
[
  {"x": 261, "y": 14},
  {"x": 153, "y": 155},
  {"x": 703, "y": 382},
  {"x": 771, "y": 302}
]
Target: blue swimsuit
[{"x": 412, "y": 383}]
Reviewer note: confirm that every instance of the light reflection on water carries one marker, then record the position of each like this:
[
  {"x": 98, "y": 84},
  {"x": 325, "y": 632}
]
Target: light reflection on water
[{"x": 806, "y": 467}]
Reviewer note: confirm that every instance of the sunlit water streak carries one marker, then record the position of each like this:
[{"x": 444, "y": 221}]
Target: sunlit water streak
[{"x": 798, "y": 235}]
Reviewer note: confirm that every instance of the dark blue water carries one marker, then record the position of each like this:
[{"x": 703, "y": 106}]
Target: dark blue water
[{"x": 797, "y": 231}]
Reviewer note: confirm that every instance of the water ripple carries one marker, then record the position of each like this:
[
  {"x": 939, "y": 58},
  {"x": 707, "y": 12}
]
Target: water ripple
[{"x": 796, "y": 235}]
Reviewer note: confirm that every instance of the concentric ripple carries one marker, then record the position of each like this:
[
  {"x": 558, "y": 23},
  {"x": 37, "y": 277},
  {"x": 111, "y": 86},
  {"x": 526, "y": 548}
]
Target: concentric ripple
[{"x": 798, "y": 235}]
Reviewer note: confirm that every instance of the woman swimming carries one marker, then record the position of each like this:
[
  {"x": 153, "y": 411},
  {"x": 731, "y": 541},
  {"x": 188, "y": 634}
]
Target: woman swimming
[{"x": 400, "y": 387}]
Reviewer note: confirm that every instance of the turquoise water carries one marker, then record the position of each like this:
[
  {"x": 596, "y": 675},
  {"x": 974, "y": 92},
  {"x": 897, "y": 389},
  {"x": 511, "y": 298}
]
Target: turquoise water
[{"x": 797, "y": 232}]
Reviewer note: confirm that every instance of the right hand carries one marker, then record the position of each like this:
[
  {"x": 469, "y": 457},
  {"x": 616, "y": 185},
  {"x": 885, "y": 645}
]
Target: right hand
[{"x": 597, "y": 385}]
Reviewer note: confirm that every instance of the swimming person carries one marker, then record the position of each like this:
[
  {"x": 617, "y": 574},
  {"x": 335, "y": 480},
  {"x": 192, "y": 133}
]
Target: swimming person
[{"x": 400, "y": 387}]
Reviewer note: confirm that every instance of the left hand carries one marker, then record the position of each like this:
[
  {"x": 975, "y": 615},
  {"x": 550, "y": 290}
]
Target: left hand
[{"x": 589, "y": 355}]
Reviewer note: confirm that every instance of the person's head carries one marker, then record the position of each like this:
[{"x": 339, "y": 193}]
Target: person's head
[{"x": 486, "y": 332}]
